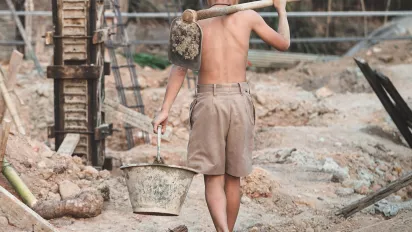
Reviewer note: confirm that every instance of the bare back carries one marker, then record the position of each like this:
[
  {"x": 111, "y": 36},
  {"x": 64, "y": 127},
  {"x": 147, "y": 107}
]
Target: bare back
[{"x": 225, "y": 47}]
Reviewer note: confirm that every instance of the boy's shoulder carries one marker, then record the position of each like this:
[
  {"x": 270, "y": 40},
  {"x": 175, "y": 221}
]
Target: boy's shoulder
[{"x": 249, "y": 15}]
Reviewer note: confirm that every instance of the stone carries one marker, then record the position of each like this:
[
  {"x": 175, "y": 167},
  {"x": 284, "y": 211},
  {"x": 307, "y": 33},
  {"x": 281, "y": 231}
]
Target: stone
[
  {"x": 323, "y": 92},
  {"x": 363, "y": 190},
  {"x": 310, "y": 229},
  {"x": 386, "y": 58},
  {"x": 53, "y": 196},
  {"x": 245, "y": 200},
  {"x": 376, "y": 187},
  {"x": 41, "y": 164},
  {"x": 343, "y": 192},
  {"x": 48, "y": 154},
  {"x": 331, "y": 166},
  {"x": 260, "y": 99},
  {"x": 90, "y": 173},
  {"x": 3, "y": 221},
  {"x": 104, "y": 174},
  {"x": 365, "y": 175},
  {"x": 184, "y": 115},
  {"x": 68, "y": 189},
  {"x": 182, "y": 133}
]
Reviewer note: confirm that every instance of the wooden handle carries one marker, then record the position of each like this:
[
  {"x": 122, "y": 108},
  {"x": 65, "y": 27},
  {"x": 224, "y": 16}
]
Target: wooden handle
[{"x": 190, "y": 16}]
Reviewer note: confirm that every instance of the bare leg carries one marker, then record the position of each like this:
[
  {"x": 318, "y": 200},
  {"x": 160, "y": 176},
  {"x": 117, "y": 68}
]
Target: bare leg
[
  {"x": 216, "y": 201},
  {"x": 232, "y": 190}
]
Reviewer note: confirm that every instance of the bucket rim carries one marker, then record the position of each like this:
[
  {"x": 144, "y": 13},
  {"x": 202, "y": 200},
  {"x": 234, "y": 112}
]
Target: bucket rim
[{"x": 158, "y": 165}]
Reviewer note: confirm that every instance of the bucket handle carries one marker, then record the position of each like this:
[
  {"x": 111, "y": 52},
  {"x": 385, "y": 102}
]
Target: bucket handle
[{"x": 159, "y": 159}]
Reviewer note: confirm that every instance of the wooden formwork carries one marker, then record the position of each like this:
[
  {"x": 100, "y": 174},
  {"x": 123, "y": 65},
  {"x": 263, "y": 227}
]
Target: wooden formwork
[{"x": 78, "y": 73}]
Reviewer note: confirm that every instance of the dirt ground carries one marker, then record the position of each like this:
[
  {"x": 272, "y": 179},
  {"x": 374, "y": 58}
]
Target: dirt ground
[{"x": 323, "y": 140}]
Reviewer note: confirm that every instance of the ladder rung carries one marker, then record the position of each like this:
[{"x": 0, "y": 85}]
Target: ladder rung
[
  {"x": 129, "y": 87},
  {"x": 73, "y": 8},
  {"x": 116, "y": 45},
  {"x": 74, "y": 17},
  {"x": 135, "y": 106},
  {"x": 124, "y": 66}
]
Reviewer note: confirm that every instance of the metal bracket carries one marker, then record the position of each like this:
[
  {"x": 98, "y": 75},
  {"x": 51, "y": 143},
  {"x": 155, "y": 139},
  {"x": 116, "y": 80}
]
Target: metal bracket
[
  {"x": 103, "y": 131},
  {"x": 73, "y": 72},
  {"x": 50, "y": 132},
  {"x": 101, "y": 35},
  {"x": 49, "y": 38}
]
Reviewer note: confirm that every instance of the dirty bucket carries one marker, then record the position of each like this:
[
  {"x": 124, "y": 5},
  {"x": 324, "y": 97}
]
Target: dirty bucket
[{"x": 157, "y": 189}]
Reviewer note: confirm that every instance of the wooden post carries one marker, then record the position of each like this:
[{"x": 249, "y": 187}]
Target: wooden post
[
  {"x": 388, "y": 5},
  {"x": 377, "y": 196},
  {"x": 10, "y": 105},
  {"x": 29, "y": 7},
  {"x": 26, "y": 40},
  {"x": 329, "y": 17},
  {"x": 69, "y": 144},
  {"x": 5, "y": 130},
  {"x": 365, "y": 19}
]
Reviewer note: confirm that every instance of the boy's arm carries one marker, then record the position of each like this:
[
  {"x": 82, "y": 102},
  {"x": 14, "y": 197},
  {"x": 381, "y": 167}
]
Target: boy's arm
[
  {"x": 279, "y": 40},
  {"x": 176, "y": 78}
]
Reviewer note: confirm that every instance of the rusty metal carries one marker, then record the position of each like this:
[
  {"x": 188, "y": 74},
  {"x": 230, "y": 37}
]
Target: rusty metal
[{"x": 78, "y": 72}]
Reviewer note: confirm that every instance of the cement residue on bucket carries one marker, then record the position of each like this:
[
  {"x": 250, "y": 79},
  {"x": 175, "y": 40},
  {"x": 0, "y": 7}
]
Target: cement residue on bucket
[{"x": 185, "y": 39}]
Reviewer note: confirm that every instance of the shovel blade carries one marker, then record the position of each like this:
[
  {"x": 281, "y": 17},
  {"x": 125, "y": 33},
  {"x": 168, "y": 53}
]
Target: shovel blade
[{"x": 185, "y": 44}]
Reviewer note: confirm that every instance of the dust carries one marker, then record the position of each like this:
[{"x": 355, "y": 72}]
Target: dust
[{"x": 185, "y": 39}]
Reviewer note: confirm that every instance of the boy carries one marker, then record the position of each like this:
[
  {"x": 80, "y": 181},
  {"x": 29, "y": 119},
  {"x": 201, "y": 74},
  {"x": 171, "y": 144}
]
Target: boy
[{"x": 222, "y": 116}]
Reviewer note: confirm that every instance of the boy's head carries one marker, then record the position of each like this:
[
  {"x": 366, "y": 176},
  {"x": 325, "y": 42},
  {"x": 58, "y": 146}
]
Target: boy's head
[{"x": 211, "y": 2}]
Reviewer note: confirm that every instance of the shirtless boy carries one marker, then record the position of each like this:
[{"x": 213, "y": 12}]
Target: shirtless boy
[{"x": 222, "y": 116}]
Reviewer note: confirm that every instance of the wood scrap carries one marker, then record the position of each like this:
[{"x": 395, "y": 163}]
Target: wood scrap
[
  {"x": 181, "y": 228},
  {"x": 5, "y": 130},
  {"x": 131, "y": 117},
  {"x": 20, "y": 215},
  {"x": 360, "y": 204},
  {"x": 69, "y": 144},
  {"x": 10, "y": 104},
  {"x": 22, "y": 31}
]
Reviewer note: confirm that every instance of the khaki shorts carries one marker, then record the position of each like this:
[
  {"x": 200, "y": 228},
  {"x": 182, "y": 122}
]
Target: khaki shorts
[{"x": 222, "y": 120}]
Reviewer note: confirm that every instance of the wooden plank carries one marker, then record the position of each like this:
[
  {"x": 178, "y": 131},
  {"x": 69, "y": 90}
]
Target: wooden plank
[
  {"x": 15, "y": 61},
  {"x": 20, "y": 215},
  {"x": 10, "y": 104},
  {"x": 135, "y": 119},
  {"x": 22, "y": 31},
  {"x": 69, "y": 144},
  {"x": 5, "y": 130},
  {"x": 360, "y": 204}
]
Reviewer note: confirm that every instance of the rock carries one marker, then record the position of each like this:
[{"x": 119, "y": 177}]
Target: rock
[
  {"x": 363, "y": 190},
  {"x": 258, "y": 184},
  {"x": 90, "y": 173},
  {"x": 245, "y": 200},
  {"x": 68, "y": 189},
  {"x": 323, "y": 92},
  {"x": 53, "y": 196},
  {"x": 260, "y": 99},
  {"x": 48, "y": 154},
  {"x": 343, "y": 192},
  {"x": 41, "y": 164},
  {"x": 104, "y": 174},
  {"x": 331, "y": 166},
  {"x": 47, "y": 173},
  {"x": 3, "y": 221},
  {"x": 386, "y": 58},
  {"x": 310, "y": 229},
  {"x": 182, "y": 133},
  {"x": 376, "y": 187},
  {"x": 105, "y": 191},
  {"x": 365, "y": 175},
  {"x": 184, "y": 115}
]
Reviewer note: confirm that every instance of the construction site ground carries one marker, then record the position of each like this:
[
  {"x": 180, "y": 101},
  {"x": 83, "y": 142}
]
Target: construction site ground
[{"x": 323, "y": 140}]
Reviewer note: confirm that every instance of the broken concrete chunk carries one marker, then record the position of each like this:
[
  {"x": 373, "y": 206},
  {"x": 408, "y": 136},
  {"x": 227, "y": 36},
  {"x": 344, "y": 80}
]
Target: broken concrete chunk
[
  {"x": 323, "y": 92},
  {"x": 90, "y": 173},
  {"x": 68, "y": 189},
  {"x": 331, "y": 166},
  {"x": 343, "y": 192}
]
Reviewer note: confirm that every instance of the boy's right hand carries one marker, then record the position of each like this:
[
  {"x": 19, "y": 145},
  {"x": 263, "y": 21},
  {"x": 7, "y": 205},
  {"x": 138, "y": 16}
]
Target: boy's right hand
[
  {"x": 279, "y": 4},
  {"x": 160, "y": 119}
]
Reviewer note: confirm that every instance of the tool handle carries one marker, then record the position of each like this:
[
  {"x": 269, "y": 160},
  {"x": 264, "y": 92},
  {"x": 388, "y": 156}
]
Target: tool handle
[
  {"x": 159, "y": 135},
  {"x": 193, "y": 16}
]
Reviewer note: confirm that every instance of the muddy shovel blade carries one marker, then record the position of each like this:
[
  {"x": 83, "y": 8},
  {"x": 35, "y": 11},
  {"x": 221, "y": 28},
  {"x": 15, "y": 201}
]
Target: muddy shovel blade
[{"x": 185, "y": 46}]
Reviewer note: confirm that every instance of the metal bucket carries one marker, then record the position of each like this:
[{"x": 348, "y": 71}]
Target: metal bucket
[{"x": 157, "y": 189}]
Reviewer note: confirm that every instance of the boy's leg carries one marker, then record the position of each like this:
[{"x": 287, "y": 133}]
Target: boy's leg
[
  {"x": 232, "y": 190},
  {"x": 216, "y": 201}
]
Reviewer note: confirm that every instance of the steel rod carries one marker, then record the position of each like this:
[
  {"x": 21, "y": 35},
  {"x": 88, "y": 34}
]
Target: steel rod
[{"x": 264, "y": 14}]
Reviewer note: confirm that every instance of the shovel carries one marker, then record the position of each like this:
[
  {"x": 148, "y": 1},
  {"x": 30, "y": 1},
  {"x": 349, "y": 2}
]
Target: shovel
[{"x": 185, "y": 44}]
